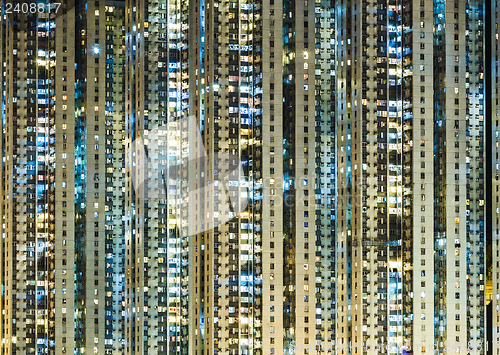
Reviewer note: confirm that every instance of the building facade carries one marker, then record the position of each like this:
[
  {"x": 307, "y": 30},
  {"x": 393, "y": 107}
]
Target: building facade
[
  {"x": 241, "y": 177},
  {"x": 62, "y": 181},
  {"x": 495, "y": 161},
  {"x": 247, "y": 122},
  {"x": 410, "y": 173},
  {"x": 158, "y": 103}
]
